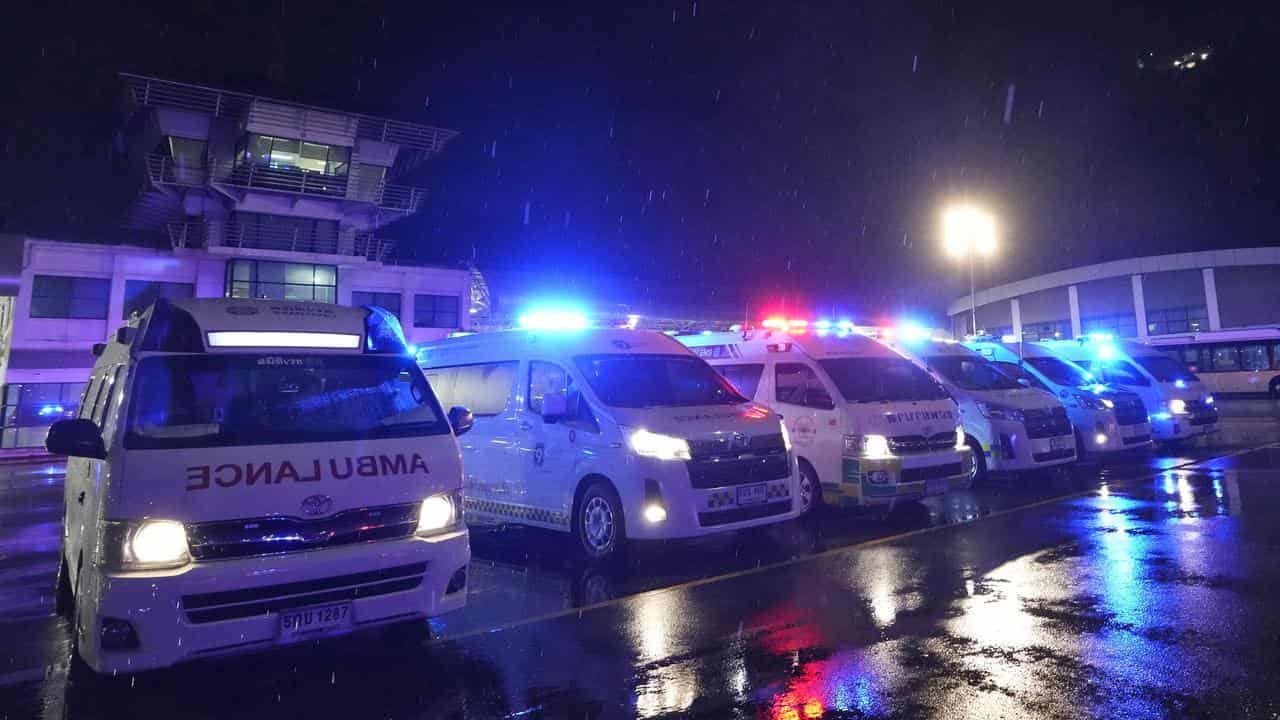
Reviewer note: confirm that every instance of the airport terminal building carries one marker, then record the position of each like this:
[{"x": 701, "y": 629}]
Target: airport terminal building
[
  {"x": 1136, "y": 298},
  {"x": 257, "y": 198}
]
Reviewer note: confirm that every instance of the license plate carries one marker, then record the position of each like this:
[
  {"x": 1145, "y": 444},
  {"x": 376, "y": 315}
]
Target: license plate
[
  {"x": 1057, "y": 443},
  {"x": 752, "y": 494},
  {"x": 317, "y": 618}
]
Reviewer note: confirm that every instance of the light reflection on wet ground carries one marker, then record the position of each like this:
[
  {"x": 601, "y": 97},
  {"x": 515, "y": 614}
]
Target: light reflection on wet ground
[{"x": 1143, "y": 598}]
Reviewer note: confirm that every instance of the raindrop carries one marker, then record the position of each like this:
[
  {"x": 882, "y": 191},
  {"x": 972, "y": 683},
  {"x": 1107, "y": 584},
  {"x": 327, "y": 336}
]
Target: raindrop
[
  {"x": 358, "y": 83},
  {"x": 511, "y": 81},
  {"x": 695, "y": 9},
  {"x": 915, "y": 62},
  {"x": 1040, "y": 110},
  {"x": 527, "y": 206},
  {"x": 427, "y": 102},
  {"x": 493, "y": 150},
  {"x": 333, "y": 678},
  {"x": 375, "y": 63},
  {"x": 751, "y": 35},
  {"x": 717, "y": 96},
  {"x": 1008, "y": 103},
  {"x": 673, "y": 17}
]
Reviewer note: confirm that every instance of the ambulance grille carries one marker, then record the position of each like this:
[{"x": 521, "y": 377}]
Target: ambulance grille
[
  {"x": 737, "y": 460},
  {"x": 1044, "y": 423},
  {"x": 1129, "y": 409},
  {"x": 225, "y": 539},
  {"x": 913, "y": 444}
]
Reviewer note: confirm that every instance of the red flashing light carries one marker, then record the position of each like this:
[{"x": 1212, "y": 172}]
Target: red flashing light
[{"x": 774, "y": 323}]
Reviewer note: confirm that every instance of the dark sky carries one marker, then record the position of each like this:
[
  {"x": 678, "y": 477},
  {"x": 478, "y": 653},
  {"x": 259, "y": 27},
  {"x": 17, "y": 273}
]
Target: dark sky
[{"x": 731, "y": 151}]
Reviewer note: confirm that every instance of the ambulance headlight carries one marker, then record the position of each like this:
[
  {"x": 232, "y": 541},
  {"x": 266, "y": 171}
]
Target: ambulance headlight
[
  {"x": 1178, "y": 406},
  {"x": 437, "y": 513},
  {"x": 866, "y": 446},
  {"x": 659, "y": 446},
  {"x": 149, "y": 544}
]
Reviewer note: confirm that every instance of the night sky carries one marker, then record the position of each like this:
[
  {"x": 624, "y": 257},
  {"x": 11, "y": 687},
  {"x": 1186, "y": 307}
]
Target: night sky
[{"x": 709, "y": 155}]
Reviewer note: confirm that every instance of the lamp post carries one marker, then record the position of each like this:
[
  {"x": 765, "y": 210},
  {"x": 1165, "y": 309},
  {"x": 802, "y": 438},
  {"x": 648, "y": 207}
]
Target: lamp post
[{"x": 967, "y": 231}]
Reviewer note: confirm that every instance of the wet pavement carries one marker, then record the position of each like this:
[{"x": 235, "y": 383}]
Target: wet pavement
[{"x": 1139, "y": 588}]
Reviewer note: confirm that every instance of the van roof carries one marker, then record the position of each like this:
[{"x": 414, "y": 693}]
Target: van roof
[
  {"x": 1029, "y": 349},
  {"x": 758, "y": 343},
  {"x": 933, "y": 348},
  {"x": 1086, "y": 348},
  {"x": 505, "y": 345},
  {"x": 216, "y": 325}
]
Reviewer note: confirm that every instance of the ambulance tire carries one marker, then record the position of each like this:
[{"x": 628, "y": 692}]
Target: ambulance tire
[
  {"x": 979, "y": 471},
  {"x": 598, "y": 522},
  {"x": 809, "y": 477},
  {"x": 409, "y": 635}
]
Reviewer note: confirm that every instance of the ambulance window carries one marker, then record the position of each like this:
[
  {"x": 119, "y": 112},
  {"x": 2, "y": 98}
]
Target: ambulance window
[
  {"x": 1017, "y": 372},
  {"x": 744, "y": 377},
  {"x": 547, "y": 377},
  {"x": 798, "y": 384},
  {"x": 483, "y": 389}
]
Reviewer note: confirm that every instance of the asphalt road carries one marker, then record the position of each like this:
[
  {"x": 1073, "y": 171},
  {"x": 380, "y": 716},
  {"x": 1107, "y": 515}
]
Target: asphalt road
[{"x": 1136, "y": 589}]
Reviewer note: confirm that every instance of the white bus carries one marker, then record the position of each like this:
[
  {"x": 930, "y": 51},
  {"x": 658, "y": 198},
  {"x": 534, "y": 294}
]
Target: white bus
[
  {"x": 610, "y": 435},
  {"x": 869, "y": 426},
  {"x": 1229, "y": 361},
  {"x": 250, "y": 473}
]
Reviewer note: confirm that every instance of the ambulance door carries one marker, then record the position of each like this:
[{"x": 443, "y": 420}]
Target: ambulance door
[
  {"x": 555, "y": 446},
  {"x": 808, "y": 408}
]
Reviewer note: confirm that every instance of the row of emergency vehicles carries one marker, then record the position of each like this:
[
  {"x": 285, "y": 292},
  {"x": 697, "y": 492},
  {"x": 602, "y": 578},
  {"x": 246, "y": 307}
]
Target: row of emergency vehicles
[{"x": 249, "y": 473}]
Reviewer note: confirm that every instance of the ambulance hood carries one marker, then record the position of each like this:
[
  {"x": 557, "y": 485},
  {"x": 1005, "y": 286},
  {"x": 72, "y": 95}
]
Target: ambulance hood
[
  {"x": 701, "y": 421},
  {"x": 922, "y": 417},
  {"x": 1020, "y": 398},
  {"x": 230, "y": 483}
]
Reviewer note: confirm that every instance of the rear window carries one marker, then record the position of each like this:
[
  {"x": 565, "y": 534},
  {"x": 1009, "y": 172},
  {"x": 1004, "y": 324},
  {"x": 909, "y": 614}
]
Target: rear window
[{"x": 189, "y": 401}]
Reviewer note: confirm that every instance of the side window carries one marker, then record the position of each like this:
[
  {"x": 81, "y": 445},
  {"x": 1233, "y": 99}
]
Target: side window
[
  {"x": 482, "y": 389},
  {"x": 1254, "y": 357},
  {"x": 1225, "y": 358},
  {"x": 1275, "y": 356},
  {"x": 545, "y": 377},
  {"x": 746, "y": 378},
  {"x": 1017, "y": 372},
  {"x": 798, "y": 384}
]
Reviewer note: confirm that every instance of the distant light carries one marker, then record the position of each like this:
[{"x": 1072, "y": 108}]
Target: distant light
[
  {"x": 276, "y": 339},
  {"x": 912, "y": 331},
  {"x": 1008, "y": 338},
  {"x": 411, "y": 350},
  {"x": 845, "y": 325},
  {"x": 460, "y": 333},
  {"x": 1161, "y": 416},
  {"x": 1106, "y": 352},
  {"x": 735, "y": 328},
  {"x": 773, "y": 323},
  {"x": 705, "y": 332},
  {"x": 1100, "y": 438},
  {"x": 553, "y": 319},
  {"x": 632, "y": 321},
  {"x": 968, "y": 229},
  {"x": 670, "y": 332},
  {"x": 822, "y": 324},
  {"x": 47, "y": 410},
  {"x": 1208, "y": 399}
]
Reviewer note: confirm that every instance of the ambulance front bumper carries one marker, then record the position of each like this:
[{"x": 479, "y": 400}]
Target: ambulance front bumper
[
  {"x": 235, "y": 606},
  {"x": 883, "y": 481}
]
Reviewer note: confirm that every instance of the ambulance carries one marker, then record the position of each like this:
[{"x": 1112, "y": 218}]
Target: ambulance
[
  {"x": 610, "y": 435},
  {"x": 245, "y": 474},
  {"x": 1011, "y": 428},
  {"x": 869, "y": 427},
  {"x": 1106, "y": 419},
  {"x": 1179, "y": 404}
]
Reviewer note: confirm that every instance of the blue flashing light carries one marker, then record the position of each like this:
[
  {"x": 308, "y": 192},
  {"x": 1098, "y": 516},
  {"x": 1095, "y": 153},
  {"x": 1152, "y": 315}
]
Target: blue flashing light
[
  {"x": 47, "y": 410},
  {"x": 1208, "y": 399},
  {"x": 822, "y": 324},
  {"x": 1008, "y": 338},
  {"x": 1106, "y": 352},
  {"x": 1180, "y": 383},
  {"x": 846, "y": 325},
  {"x": 705, "y": 332},
  {"x": 735, "y": 328},
  {"x": 553, "y": 318},
  {"x": 1161, "y": 416}
]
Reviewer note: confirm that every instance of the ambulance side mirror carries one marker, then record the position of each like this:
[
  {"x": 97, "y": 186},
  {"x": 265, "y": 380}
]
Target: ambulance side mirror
[
  {"x": 461, "y": 420},
  {"x": 75, "y": 438},
  {"x": 555, "y": 405}
]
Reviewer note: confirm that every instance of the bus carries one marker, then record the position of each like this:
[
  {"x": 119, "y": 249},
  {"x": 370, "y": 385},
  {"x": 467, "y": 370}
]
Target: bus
[{"x": 1230, "y": 361}]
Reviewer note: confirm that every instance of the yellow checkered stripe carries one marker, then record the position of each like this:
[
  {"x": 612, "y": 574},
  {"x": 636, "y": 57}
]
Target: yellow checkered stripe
[
  {"x": 510, "y": 511},
  {"x": 729, "y": 498}
]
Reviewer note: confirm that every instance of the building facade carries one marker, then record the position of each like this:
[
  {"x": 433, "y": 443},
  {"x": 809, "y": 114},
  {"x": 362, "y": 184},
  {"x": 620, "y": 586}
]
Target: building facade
[
  {"x": 259, "y": 198},
  {"x": 1135, "y": 298}
]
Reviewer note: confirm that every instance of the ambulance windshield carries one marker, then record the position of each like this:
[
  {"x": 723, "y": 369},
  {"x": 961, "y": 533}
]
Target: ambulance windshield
[{"x": 186, "y": 401}]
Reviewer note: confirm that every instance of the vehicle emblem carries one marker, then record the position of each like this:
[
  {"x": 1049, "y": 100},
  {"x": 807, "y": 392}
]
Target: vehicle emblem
[
  {"x": 242, "y": 310},
  {"x": 314, "y": 505},
  {"x": 738, "y": 441}
]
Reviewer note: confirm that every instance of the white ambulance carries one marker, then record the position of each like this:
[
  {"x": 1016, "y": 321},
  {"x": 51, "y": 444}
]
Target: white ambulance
[
  {"x": 611, "y": 435},
  {"x": 1011, "y": 427},
  {"x": 249, "y": 473},
  {"x": 1179, "y": 404},
  {"x": 869, "y": 426},
  {"x": 1106, "y": 419}
]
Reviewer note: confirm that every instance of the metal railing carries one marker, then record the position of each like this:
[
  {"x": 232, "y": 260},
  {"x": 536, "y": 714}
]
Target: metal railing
[
  {"x": 262, "y": 177},
  {"x": 151, "y": 92},
  {"x": 164, "y": 170},
  {"x": 199, "y": 235},
  {"x": 373, "y": 248},
  {"x": 188, "y": 235}
]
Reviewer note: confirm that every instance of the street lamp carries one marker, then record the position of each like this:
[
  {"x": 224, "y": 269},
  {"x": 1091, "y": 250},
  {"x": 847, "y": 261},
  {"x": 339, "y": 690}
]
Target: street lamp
[{"x": 969, "y": 231}]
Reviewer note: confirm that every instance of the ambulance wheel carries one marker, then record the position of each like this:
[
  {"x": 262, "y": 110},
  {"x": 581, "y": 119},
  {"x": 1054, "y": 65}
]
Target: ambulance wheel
[
  {"x": 64, "y": 601},
  {"x": 598, "y": 522},
  {"x": 810, "y": 491},
  {"x": 978, "y": 471},
  {"x": 1275, "y": 388}
]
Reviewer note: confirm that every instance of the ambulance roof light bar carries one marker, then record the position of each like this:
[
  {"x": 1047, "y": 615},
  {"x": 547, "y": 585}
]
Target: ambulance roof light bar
[{"x": 283, "y": 339}]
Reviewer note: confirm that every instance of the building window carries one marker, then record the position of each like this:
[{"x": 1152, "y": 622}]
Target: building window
[
  {"x": 30, "y": 408},
  {"x": 1124, "y": 325},
  {"x": 1050, "y": 330},
  {"x": 139, "y": 294},
  {"x": 80, "y": 298},
  {"x": 1192, "y": 318},
  {"x": 286, "y": 154},
  {"x": 282, "y": 281},
  {"x": 386, "y": 300},
  {"x": 435, "y": 311}
]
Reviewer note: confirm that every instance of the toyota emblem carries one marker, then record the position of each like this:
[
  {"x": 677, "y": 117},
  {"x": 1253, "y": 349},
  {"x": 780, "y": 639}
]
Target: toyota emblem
[{"x": 317, "y": 505}]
